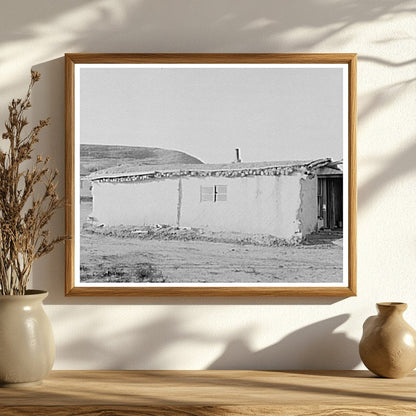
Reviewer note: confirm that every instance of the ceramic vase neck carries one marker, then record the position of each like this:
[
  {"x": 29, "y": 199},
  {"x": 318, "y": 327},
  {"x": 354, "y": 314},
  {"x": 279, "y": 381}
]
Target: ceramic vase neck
[{"x": 391, "y": 308}]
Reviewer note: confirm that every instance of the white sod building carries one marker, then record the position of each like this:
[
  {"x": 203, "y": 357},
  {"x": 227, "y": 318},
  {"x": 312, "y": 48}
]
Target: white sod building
[{"x": 276, "y": 198}]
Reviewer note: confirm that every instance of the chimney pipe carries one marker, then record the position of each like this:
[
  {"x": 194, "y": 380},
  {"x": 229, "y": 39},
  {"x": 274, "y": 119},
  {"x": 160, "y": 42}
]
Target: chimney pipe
[{"x": 237, "y": 155}]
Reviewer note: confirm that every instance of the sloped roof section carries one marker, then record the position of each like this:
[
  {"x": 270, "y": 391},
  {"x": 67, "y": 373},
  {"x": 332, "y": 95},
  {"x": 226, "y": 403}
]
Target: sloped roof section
[
  {"x": 133, "y": 172},
  {"x": 328, "y": 171}
]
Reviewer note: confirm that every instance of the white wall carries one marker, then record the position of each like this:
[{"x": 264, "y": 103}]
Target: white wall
[
  {"x": 139, "y": 203},
  {"x": 255, "y": 204},
  {"x": 308, "y": 211},
  {"x": 197, "y": 333}
]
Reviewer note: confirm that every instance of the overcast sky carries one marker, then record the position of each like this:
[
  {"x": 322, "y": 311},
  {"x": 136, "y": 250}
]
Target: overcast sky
[{"x": 269, "y": 113}]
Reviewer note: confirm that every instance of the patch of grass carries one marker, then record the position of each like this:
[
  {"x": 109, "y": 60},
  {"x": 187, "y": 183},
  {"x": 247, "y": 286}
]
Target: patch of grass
[
  {"x": 147, "y": 272},
  {"x": 138, "y": 273}
]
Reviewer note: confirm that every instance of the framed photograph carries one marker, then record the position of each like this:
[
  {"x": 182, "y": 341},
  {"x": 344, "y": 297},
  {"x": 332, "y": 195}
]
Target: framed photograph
[{"x": 211, "y": 174}]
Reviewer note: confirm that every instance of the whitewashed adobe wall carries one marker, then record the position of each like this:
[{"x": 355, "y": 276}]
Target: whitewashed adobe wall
[
  {"x": 254, "y": 204},
  {"x": 308, "y": 209},
  {"x": 139, "y": 203}
]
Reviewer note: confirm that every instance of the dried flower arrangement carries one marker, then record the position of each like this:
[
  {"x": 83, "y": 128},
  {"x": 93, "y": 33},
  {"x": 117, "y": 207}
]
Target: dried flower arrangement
[{"x": 28, "y": 199}]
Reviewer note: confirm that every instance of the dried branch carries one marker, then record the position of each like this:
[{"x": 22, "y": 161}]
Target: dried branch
[{"x": 23, "y": 218}]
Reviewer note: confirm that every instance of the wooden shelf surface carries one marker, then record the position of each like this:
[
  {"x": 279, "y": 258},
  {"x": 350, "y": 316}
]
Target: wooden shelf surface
[{"x": 202, "y": 393}]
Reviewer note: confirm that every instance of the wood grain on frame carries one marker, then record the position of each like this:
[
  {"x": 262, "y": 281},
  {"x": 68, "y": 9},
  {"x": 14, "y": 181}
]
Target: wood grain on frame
[
  {"x": 69, "y": 175},
  {"x": 352, "y": 171},
  {"x": 70, "y": 285}
]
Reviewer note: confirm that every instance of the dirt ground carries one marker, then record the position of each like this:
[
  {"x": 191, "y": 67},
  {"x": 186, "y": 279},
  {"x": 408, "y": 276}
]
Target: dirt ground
[{"x": 144, "y": 256}]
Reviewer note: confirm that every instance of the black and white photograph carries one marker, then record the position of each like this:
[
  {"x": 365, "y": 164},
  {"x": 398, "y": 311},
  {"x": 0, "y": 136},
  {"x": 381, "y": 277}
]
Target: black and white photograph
[{"x": 211, "y": 175}]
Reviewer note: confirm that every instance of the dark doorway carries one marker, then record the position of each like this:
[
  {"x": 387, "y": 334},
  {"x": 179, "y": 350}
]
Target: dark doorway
[{"x": 330, "y": 201}]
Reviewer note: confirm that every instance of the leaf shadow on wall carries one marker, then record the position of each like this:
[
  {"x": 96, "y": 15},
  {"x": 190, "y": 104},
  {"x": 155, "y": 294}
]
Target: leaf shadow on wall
[
  {"x": 151, "y": 345},
  {"x": 150, "y": 26},
  {"x": 393, "y": 169},
  {"x": 312, "y": 347},
  {"x": 144, "y": 346}
]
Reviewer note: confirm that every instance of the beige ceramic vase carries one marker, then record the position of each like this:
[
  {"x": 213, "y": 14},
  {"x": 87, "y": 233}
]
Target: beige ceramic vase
[
  {"x": 388, "y": 344},
  {"x": 27, "y": 347}
]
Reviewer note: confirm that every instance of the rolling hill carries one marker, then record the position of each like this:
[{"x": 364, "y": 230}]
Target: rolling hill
[{"x": 94, "y": 157}]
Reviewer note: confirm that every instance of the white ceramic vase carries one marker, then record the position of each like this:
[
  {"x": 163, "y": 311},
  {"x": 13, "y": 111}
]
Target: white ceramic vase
[{"x": 27, "y": 347}]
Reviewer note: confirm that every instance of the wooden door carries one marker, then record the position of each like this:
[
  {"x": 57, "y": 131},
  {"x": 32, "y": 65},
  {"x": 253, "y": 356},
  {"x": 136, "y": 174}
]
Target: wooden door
[{"x": 330, "y": 201}]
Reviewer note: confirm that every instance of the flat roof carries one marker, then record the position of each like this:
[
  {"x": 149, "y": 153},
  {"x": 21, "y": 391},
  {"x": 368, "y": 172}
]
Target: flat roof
[{"x": 131, "y": 172}]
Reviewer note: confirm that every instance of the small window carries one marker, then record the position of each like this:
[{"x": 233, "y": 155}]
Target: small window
[
  {"x": 207, "y": 193},
  {"x": 216, "y": 193},
  {"x": 220, "y": 193}
]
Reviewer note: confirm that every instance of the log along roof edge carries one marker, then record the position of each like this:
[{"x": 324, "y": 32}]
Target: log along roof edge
[{"x": 133, "y": 172}]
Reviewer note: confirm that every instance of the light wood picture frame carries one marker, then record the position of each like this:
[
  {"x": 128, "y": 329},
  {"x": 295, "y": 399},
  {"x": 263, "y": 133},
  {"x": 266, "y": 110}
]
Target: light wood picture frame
[{"x": 210, "y": 174}]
